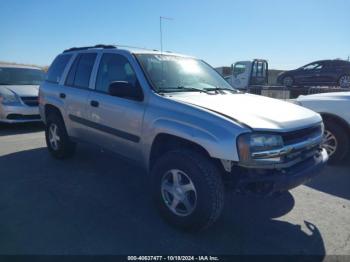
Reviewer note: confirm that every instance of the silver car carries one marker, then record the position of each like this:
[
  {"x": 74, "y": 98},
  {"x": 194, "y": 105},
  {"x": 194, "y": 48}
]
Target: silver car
[
  {"x": 176, "y": 117},
  {"x": 19, "y": 91}
]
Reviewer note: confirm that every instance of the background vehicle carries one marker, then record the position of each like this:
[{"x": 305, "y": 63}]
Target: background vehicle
[
  {"x": 319, "y": 73},
  {"x": 334, "y": 109},
  {"x": 19, "y": 87},
  {"x": 181, "y": 121},
  {"x": 248, "y": 73}
]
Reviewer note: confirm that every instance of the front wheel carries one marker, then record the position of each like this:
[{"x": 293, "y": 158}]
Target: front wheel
[
  {"x": 288, "y": 81},
  {"x": 188, "y": 189},
  {"x": 344, "y": 81},
  {"x": 57, "y": 139}
]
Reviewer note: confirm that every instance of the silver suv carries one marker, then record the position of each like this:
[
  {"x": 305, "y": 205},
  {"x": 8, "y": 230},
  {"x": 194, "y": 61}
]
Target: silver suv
[{"x": 180, "y": 120}]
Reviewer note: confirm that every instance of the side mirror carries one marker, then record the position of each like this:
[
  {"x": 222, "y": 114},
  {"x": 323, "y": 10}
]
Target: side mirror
[{"x": 125, "y": 90}]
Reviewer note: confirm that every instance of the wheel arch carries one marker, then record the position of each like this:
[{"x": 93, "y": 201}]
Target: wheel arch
[
  {"x": 49, "y": 109},
  {"x": 165, "y": 142},
  {"x": 338, "y": 119}
]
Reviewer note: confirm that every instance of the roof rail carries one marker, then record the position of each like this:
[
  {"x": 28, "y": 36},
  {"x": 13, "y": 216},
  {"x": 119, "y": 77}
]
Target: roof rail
[
  {"x": 89, "y": 47},
  {"x": 136, "y": 47}
]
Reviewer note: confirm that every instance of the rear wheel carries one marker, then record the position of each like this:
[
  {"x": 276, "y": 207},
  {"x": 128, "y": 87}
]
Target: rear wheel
[
  {"x": 344, "y": 81},
  {"x": 188, "y": 189},
  {"x": 288, "y": 81},
  {"x": 335, "y": 141},
  {"x": 57, "y": 139}
]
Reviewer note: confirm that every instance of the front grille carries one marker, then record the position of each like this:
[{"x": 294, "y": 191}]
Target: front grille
[
  {"x": 30, "y": 100},
  {"x": 301, "y": 135},
  {"x": 22, "y": 117}
]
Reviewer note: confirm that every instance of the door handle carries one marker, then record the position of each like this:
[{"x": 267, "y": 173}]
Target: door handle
[
  {"x": 94, "y": 103},
  {"x": 62, "y": 95}
]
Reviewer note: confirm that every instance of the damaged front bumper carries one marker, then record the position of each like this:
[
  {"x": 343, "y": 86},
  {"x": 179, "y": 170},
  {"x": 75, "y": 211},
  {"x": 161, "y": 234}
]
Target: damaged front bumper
[{"x": 269, "y": 181}]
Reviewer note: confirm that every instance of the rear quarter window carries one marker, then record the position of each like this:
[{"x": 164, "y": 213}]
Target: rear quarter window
[{"x": 57, "y": 67}]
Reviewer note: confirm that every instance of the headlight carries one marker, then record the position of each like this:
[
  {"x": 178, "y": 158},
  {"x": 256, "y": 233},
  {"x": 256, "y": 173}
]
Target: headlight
[
  {"x": 251, "y": 143},
  {"x": 7, "y": 97}
]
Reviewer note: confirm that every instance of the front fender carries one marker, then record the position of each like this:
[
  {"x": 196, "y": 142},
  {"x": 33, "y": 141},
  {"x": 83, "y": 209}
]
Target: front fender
[{"x": 221, "y": 144}]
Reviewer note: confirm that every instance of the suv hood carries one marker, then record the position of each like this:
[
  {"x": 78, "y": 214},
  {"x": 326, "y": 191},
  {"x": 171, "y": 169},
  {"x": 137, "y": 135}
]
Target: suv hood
[
  {"x": 257, "y": 112},
  {"x": 22, "y": 90}
]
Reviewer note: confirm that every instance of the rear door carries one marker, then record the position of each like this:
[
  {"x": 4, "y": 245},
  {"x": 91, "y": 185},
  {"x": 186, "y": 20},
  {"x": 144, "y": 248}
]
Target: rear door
[
  {"x": 327, "y": 73},
  {"x": 76, "y": 92}
]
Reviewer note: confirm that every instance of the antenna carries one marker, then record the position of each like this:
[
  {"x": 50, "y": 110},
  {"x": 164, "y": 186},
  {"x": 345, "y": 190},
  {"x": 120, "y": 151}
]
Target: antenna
[{"x": 161, "y": 30}]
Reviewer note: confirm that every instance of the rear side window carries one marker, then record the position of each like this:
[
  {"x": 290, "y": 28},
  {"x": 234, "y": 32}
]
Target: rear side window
[
  {"x": 80, "y": 72},
  {"x": 57, "y": 67}
]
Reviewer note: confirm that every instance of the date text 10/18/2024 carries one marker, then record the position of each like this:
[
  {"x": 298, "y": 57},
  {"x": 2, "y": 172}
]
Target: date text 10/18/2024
[{"x": 173, "y": 258}]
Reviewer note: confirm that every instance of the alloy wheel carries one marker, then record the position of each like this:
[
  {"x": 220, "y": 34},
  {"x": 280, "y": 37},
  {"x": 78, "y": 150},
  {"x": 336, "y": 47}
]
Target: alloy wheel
[
  {"x": 54, "y": 138},
  {"x": 344, "y": 81},
  {"x": 178, "y": 192},
  {"x": 329, "y": 142},
  {"x": 288, "y": 81}
]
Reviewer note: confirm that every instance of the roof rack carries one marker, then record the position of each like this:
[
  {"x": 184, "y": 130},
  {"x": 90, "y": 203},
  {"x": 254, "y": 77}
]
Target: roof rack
[
  {"x": 109, "y": 47},
  {"x": 89, "y": 47},
  {"x": 136, "y": 47}
]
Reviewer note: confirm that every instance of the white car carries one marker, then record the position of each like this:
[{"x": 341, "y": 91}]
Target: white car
[
  {"x": 19, "y": 88},
  {"x": 335, "y": 111}
]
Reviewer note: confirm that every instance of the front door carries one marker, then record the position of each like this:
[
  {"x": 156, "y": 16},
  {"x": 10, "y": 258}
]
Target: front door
[
  {"x": 115, "y": 122},
  {"x": 240, "y": 74}
]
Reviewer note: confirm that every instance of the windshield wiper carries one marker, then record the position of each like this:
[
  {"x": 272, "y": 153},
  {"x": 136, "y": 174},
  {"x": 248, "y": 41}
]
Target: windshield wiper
[
  {"x": 223, "y": 88},
  {"x": 191, "y": 88}
]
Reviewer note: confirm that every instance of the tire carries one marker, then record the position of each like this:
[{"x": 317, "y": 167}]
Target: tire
[
  {"x": 64, "y": 148},
  {"x": 207, "y": 198},
  {"x": 288, "y": 81},
  {"x": 336, "y": 141},
  {"x": 344, "y": 81}
]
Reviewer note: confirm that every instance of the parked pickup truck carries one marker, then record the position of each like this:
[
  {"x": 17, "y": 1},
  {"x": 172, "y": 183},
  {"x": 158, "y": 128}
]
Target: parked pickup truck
[
  {"x": 180, "y": 120},
  {"x": 334, "y": 109}
]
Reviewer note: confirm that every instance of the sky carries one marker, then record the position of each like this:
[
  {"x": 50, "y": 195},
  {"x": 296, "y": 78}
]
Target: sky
[{"x": 288, "y": 33}]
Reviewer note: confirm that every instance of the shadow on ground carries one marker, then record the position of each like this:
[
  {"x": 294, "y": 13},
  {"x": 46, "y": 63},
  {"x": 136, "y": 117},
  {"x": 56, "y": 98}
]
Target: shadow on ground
[
  {"x": 334, "y": 180},
  {"x": 23, "y": 128},
  {"x": 96, "y": 203}
]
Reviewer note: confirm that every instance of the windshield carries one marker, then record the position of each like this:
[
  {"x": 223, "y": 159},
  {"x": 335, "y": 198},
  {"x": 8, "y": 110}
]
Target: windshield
[
  {"x": 20, "y": 76},
  {"x": 170, "y": 73}
]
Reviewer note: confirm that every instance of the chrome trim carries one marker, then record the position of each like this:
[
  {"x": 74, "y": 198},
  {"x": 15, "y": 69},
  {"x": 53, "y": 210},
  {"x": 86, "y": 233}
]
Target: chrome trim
[{"x": 287, "y": 149}]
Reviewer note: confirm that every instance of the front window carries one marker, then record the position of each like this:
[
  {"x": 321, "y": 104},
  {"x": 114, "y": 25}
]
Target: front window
[
  {"x": 21, "y": 76},
  {"x": 175, "y": 73},
  {"x": 239, "y": 68}
]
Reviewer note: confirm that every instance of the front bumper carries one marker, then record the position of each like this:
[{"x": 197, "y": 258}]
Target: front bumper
[
  {"x": 265, "y": 182},
  {"x": 19, "y": 114}
]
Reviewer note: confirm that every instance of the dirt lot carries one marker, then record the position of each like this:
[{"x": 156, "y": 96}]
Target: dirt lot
[{"x": 96, "y": 203}]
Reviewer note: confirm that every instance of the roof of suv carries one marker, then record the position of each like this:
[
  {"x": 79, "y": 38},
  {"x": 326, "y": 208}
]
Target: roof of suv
[{"x": 130, "y": 49}]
